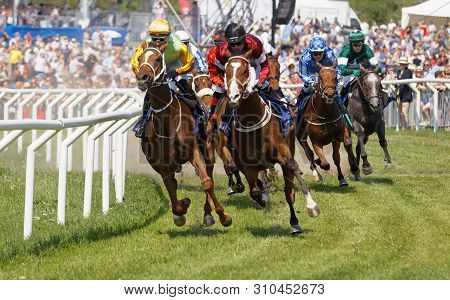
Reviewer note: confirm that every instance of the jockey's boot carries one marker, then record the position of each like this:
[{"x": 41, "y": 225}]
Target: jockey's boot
[
  {"x": 188, "y": 93},
  {"x": 139, "y": 128}
]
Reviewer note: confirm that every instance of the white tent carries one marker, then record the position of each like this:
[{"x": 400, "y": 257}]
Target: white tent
[
  {"x": 437, "y": 11},
  {"x": 320, "y": 9}
]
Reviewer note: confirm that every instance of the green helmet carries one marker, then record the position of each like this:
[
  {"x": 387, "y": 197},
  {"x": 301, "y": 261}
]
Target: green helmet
[{"x": 356, "y": 36}]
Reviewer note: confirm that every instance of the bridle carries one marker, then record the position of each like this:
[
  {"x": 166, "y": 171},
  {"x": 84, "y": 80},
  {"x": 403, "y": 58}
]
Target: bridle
[
  {"x": 243, "y": 85},
  {"x": 154, "y": 81},
  {"x": 363, "y": 96},
  {"x": 323, "y": 88},
  {"x": 207, "y": 91}
]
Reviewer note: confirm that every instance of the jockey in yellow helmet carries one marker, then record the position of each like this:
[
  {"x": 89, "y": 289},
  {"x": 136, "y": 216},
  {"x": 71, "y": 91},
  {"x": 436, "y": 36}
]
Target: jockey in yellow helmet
[{"x": 179, "y": 60}]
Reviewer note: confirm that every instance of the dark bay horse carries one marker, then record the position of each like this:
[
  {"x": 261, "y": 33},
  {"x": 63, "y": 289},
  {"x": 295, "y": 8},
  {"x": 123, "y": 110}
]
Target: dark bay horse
[
  {"x": 169, "y": 140},
  {"x": 324, "y": 124},
  {"x": 365, "y": 107},
  {"x": 201, "y": 85},
  {"x": 258, "y": 139}
]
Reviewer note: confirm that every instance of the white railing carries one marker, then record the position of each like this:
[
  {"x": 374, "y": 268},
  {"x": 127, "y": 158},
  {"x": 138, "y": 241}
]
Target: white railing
[
  {"x": 440, "y": 105},
  {"x": 110, "y": 112}
]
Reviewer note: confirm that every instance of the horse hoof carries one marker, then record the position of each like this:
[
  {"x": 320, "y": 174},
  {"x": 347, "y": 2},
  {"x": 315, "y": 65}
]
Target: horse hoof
[
  {"x": 295, "y": 229},
  {"x": 389, "y": 165},
  {"x": 231, "y": 191},
  {"x": 342, "y": 183},
  {"x": 239, "y": 188},
  {"x": 325, "y": 166},
  {"x": 357, "y": 177},
  {"x": 208, "y": 221},
  {"x": 313, "y": 212},
  {"x": 257, "y": 205},
  {"x": 227, "y": 222},
  {"x": 316, "y": 176},
  {"x": 367, "y": 170},
  {"x": 179, "y": 169},
  {"x": 265, "y": 197},
  {"x": 179, "y": 220}
]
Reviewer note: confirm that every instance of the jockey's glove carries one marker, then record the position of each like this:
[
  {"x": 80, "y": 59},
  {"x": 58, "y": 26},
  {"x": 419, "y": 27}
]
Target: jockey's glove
[
  {"x": 356, "y": 73},
  {"x": 258, "y": 86},
  {"x": 172, "y": 74}
]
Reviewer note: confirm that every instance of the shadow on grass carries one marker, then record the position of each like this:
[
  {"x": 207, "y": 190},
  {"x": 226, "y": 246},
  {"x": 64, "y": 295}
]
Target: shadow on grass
[
  {"x": 109, "y": 227},
  {"x": 275, "y": 231},
  {"x": 331, "y": 188},
  {"x": 196, "y": 230},
  {"x": 377, "y": 180},
  {"x": 243, "y": 201}
]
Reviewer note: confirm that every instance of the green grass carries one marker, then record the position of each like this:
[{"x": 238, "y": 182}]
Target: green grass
[{"x": 392, "y": 225}]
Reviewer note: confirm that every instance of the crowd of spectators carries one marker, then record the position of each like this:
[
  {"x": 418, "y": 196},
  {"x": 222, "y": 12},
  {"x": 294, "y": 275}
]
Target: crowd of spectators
[{"x": 58, "y": 62}]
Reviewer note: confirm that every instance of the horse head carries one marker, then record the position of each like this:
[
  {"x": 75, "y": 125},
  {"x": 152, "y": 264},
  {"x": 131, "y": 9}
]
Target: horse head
[
  {"x": 370, "y": 88},
  {"x": 201, "y": 85},
  {"x": 152, "y": 66},
  {"x": 238, "y": 78},
  {"x": 274, "y": 72},
  {"x": 327, "y": 82}
]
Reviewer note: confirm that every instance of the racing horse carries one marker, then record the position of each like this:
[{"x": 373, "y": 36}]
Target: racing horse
[
  {"x": 201, "y": 85},
  {"x": 169, "y": 140},
  {"x": 365, "y": 107},
  {"x": 258, "y": 139},
  {"x": 324, "y": 124}
]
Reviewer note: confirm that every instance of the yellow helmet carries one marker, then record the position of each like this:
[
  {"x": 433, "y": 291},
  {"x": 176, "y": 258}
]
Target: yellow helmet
[{"x": 159, "y": 27}]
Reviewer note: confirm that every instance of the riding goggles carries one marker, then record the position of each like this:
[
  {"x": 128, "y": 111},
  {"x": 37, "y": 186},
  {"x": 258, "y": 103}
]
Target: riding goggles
[{"x": 159, "y": 38}]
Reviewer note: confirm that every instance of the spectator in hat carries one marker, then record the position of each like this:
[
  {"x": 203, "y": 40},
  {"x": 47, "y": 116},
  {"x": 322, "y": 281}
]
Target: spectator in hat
[
  {"x": 425, "y": 96},
  {"x": 404, "y": 92}
]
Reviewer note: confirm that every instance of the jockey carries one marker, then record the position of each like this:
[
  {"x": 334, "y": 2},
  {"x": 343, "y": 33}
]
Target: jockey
[
  {"x": 318, "y": 51},
  {"x": 200, "y": 62},
  {"x": 352, "y": 55},
  {"x": 216, "y": 70},
  {"x": 236, "y": 40},
  {"x": 177, "y": 56}
]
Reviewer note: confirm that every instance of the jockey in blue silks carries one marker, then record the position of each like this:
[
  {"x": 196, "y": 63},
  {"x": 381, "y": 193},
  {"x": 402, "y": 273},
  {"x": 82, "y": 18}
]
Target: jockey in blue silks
[{"x": 318, "y": 51}]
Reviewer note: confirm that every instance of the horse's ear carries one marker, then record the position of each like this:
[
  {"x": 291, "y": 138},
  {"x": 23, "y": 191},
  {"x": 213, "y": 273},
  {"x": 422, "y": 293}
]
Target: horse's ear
[
  {"x": 248, "y": 54},
  {"x": 144, "y": 45}
]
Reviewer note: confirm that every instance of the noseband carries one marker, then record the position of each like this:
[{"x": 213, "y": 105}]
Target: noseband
[
  {"x": 323, "y": 88},
  {"x": 160, "y": 75}
]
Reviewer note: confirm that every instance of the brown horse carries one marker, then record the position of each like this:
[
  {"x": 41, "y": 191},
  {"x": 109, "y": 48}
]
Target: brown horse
[
  {"x": 201, "y": 85},
  {"x": 258, "y": 139},
  {"x": 325, "y": 124},
  {"x": 169, "y": 140},
  {"x": 274, "y": 72}
]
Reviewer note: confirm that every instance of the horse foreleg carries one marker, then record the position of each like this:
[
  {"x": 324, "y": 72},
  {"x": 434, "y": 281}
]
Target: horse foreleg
[
  {"x": 362, "y": 140},
  {"x": 286, "y": 160},
  {"x": 289, "y": 194},
  {"x": 255, "y": 185},
  {"x": 208, "y": 186},
  {"x": 179, "y": 208},
  {"x": 383, "y": 143},
  {"x": 354, "y": 168},
  {"x": 302, "y": 139},
  {"x": 228, "y": 160},
  {"x": 337, "y": 162},
  {"x": 324, "y": 164}
]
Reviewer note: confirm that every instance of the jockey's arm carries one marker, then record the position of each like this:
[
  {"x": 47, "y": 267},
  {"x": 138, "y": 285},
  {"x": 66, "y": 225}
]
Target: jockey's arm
[
  {"x": 134, "y": 60},
  {"x": 343, "y": 61},
  {"x": 200, "y": 62},
  {"x": 303, "y": 68},
  {"x": 215, "y": 75},
  {"x": 186, "y": 59},
  {"x": 372, "y": 59}
]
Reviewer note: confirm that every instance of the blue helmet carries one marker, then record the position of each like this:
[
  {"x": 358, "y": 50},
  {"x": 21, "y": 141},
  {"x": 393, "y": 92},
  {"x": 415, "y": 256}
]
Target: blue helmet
[{"x": 317, "y": 44}]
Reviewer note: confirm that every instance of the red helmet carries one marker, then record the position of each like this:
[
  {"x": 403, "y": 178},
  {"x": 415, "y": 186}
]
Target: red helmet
[{"x": 218, "y": 37}]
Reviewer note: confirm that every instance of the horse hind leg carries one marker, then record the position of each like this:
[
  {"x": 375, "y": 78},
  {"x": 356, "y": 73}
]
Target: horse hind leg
[
  {"x": 286, "y": 160},
  {"x": 310, "y": 156},
  {"x": 324, "y": 164},
  {"x": 179, "y": 208},
  {"x": 255, "y": 192},
  {"x": 208, "y": 187},
  {"x": 208, "y": 219},
  {"x": 337, "y": 162},
  {"x": 289, "y": 193}
]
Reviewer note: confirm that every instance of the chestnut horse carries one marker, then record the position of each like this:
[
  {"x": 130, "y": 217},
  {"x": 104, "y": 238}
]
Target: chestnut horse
[
  {"x": 169, "y": 140},
  {"x": 324, "y": 124},
  {"x": 201, "y": 85},
  {"x": 258, "y": 139}
]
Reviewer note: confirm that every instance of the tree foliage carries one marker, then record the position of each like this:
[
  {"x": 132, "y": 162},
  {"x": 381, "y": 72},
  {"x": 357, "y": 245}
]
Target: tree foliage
[{"x": 380, "y": 11}]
